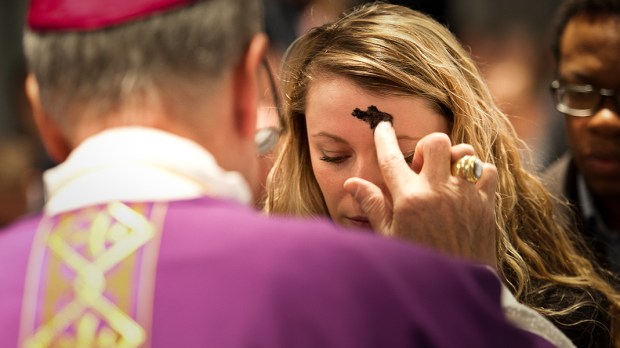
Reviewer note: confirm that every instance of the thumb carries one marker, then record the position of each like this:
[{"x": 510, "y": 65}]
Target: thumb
[{"x": 373, "y": 203}]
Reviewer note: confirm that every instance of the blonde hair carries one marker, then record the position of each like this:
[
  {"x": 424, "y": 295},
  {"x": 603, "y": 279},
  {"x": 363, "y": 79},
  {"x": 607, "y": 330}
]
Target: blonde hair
[{"x": 398, "y": 51}]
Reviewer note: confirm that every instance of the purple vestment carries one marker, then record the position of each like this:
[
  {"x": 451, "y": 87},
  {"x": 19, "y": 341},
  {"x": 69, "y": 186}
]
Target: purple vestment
[{"x": 212, "y": 273}]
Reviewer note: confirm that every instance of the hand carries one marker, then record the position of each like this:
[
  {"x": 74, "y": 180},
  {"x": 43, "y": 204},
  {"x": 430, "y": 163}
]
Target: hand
[{"x": 428, "y": 205}]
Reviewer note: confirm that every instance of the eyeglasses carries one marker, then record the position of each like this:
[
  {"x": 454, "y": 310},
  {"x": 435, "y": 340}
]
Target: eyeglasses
[
  {"x": 581, "y": 100},
  {"x": 267, "y": 138}
]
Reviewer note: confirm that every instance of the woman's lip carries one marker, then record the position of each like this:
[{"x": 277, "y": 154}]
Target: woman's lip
[
  {"x": 358, "y": 218},
  {"x": 359, "y": 221}
]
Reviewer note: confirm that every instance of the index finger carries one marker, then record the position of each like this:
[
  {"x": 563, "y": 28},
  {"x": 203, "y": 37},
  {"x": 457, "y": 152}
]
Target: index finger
[{"x": 394, "y": 169}]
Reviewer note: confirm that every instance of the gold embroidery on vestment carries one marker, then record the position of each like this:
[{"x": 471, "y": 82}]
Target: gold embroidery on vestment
[{"x": 93, "y": 264}]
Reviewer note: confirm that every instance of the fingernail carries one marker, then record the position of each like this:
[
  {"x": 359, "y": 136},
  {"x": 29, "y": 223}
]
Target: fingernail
[{"x": 384, "y": 127}]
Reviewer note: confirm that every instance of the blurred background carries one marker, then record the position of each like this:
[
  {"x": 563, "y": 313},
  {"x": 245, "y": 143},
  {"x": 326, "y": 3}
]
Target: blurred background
[{"x": 509, "y": 39}]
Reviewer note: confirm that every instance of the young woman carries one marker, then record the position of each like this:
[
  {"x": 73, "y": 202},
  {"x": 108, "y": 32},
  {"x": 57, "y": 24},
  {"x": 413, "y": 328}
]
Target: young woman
[{"x": 388, "y": 59}]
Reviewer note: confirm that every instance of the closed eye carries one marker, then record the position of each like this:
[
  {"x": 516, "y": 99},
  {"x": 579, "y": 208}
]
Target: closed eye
[
  {"x": 340, "y": 159},
  {"x": 334, "y": 159}
]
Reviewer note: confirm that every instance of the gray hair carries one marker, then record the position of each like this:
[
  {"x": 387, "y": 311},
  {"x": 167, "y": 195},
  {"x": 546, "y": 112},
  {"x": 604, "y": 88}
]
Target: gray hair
[{"x": 96, "y": 71}]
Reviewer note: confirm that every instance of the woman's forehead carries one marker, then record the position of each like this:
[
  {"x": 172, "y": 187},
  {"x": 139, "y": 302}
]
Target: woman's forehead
[
  {"x": 331, "y": 91},
  {"x": 337, "y": 104}
]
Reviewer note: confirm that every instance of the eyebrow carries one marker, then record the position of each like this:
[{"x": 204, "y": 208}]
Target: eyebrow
[
  {"x": 341, "y": 140},
  {"x": 330, "y": 136}
]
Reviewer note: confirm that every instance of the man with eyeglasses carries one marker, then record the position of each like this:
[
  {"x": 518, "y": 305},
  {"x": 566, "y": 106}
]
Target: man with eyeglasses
[
  {"x": 147, "y": 239},
  {"x": 587, "y": 91}
]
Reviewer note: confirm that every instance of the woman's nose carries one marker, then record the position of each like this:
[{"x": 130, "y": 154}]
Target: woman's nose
[{"x": 369, "y": 170}]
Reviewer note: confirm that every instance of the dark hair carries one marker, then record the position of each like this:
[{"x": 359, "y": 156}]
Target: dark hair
[{"x": 570, "y": 9}]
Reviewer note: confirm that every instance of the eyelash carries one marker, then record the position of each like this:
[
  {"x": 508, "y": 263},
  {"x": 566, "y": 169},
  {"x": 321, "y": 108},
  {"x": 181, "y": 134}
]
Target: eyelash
[{"x": 337, "y": 160}]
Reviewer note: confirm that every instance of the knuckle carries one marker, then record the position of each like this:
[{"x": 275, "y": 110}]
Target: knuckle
[
  {"x": 370, "y": 203},
  {"x": 466, "y": 147},
  {"x": 391, "y": 161},
  {"x": 441, "y": 139}
]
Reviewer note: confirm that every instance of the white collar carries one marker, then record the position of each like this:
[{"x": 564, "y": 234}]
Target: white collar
[{"x": 134, "y": 164}]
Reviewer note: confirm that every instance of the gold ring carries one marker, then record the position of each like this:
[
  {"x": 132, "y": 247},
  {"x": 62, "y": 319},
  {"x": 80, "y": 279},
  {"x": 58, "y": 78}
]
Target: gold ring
[{"x": 468, "y": 168}]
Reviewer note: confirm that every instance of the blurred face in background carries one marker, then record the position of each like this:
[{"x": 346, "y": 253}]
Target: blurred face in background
[
  {"x": 342, "y": 146},
  {"x": 590, "y": 55}
]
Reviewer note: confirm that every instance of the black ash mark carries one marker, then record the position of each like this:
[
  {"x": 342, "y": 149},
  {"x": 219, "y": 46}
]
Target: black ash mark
[{"x": 372, "y": 116}]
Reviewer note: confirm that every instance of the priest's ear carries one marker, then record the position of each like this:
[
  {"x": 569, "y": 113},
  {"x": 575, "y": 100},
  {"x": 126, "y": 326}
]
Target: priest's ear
[
  {"x": 246, "y": 86},
  {"x": 52, "y": 137}
]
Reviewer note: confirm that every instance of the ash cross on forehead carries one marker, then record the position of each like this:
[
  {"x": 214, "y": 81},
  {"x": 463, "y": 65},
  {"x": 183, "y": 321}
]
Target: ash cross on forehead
[{"x": 372, "y": 116}]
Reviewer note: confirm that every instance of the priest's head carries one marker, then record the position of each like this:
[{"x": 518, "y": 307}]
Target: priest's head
[{"x": 186, "y": 67}]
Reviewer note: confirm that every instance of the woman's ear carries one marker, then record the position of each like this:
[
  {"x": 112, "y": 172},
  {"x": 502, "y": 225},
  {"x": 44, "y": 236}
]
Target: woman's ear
[
  {"x": 246, "y": 86},
  {"x": 52, "y": 138}
]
